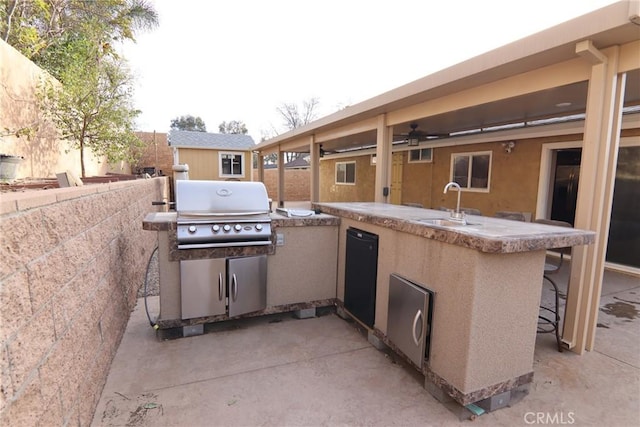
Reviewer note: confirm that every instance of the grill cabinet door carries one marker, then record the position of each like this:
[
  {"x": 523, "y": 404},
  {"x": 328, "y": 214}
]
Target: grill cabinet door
[
  {"x": 247, "y": 277},
  {"x": 202, "y": 287}
]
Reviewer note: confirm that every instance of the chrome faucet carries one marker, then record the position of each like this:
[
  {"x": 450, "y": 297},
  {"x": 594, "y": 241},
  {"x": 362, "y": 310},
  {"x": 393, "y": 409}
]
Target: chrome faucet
[{"x": 457, "y": 215}]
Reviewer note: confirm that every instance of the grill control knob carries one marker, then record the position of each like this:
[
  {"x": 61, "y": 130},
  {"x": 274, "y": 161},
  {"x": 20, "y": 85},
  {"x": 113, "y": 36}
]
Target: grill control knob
[
  {"x": 226, "y": 228},
  {"x": 215, "y": 228},
  {"x": 192, "y": 229},
  {"x": 259, "y": 227},
  {"x": 238, "y": 228}
]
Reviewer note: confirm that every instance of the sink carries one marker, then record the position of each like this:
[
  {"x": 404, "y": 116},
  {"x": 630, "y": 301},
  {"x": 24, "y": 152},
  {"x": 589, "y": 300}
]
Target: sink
[{"x": 443, "y": 222}]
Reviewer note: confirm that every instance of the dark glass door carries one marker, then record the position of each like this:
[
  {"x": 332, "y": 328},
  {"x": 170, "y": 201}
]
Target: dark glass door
[
  {"x": 565, "y": 185},
  {"x": 624, "y": 233}
]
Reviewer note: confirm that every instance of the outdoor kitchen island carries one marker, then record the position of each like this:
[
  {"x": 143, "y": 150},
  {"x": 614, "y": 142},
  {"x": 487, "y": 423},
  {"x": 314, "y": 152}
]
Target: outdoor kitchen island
[
  {"x": 485, "y": 279},
  {"x": 301, "y": 268}
]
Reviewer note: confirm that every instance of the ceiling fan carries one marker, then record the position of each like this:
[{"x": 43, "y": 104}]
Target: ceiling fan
[
  {"x": 415, "y": 135},
  {"x": 323, "y": 151}
]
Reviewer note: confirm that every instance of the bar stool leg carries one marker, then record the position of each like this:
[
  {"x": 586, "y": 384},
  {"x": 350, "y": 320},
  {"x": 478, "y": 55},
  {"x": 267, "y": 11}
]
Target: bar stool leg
[{"x": 556, "y": 312}]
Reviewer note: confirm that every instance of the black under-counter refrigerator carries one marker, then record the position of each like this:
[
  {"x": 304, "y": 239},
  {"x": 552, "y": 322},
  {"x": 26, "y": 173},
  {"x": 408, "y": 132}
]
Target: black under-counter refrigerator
[{"x": 361, "y": 271}]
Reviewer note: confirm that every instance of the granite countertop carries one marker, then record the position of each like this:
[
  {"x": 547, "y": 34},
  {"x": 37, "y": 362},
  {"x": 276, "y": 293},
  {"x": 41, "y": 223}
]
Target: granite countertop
[
  {"x": 164, "y": 221},
  {"x": 485, "y": 234}
]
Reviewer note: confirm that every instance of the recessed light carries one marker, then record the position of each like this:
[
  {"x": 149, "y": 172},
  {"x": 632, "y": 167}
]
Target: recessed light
[{"x": 563, "y": 104}]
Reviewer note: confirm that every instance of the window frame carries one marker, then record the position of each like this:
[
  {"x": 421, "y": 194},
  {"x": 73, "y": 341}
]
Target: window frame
[
  {"x": 352, "y": 162},
  {"x": 421, "y": 159},
  {"x": 221, "y": 173},
  {"x": 470, "y": 156}
]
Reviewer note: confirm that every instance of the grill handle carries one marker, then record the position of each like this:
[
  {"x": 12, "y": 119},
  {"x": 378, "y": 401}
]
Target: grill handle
[
  {"x": 234, "y": 287},
  {"x": 206, "y": 214},
  {"x": 220, "y": 286}
]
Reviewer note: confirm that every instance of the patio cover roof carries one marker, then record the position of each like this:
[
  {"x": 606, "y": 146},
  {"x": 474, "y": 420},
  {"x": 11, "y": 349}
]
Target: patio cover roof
[{"x": 502, "y": 101}]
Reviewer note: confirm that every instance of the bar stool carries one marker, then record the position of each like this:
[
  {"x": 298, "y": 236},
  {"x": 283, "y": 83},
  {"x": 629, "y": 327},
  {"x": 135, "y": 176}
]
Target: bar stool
[
  {"x": 551, "y": 266},
  {"x": 515, "y": 216},
  {"x": 471, "y": 211}
]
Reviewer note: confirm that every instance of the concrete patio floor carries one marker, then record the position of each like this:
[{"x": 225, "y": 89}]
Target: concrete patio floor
[{"x": 282, "y": 371}]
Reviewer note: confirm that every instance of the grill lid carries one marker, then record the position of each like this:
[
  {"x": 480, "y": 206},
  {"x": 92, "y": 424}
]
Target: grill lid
[
  {"x": 222, "y": 213},
  {"x": 221, "y": 198}
]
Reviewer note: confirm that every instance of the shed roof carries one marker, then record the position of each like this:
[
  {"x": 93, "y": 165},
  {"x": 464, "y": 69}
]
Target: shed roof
[{"x": 206, "y": 140}]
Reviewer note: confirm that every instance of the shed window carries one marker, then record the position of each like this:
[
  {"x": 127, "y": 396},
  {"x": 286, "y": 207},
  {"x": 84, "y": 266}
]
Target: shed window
[
  {"x": 472, "y": 171},
  {"x": 231, "y": 164},
  {"x": 346, "y": 173}
]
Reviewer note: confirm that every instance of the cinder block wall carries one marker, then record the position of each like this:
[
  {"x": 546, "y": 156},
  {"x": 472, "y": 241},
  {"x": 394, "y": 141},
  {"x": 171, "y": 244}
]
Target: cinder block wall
[
  {"x": 72, "y": 261},
  {"x": 297, "y": 186}
]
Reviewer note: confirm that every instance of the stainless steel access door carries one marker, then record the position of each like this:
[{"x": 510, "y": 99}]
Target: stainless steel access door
[
  {"x": 408, "y": 314},
  {"x": 247, "y": 278},
  {"x": 203, "y": 287}
]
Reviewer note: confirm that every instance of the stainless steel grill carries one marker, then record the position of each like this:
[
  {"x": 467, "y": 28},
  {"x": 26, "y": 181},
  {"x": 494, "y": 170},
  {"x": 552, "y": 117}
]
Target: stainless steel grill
[{"x": 213, "y": 214}]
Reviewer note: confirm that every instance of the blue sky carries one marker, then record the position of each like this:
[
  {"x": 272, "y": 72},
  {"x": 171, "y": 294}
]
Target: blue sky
[{"x": 240, "y": 59}]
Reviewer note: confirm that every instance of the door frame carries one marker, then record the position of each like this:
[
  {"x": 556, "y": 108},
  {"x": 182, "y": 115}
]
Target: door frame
[{"x": 545, "y": 184}]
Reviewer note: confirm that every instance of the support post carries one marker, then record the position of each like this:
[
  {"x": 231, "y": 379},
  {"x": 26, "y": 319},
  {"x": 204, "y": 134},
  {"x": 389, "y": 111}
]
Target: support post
[
  {"x": 593, "y": 210},
  {"x": 383, "y": 161},
  {"x": 314, "y": 160}
]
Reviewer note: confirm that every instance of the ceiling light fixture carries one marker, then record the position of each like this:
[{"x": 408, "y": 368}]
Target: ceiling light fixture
[{"x": 413, "y": 139}]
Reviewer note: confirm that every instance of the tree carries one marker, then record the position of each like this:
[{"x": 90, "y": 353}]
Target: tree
[
  {"x": 71, "y": 39},
  {"x": 92, "y": 107},
  {"x": 294, "y": 117},
  {"x": 188, "y": 122},
  {"x": 36, "y": 27},
  {"x": 234, "y": 126}
]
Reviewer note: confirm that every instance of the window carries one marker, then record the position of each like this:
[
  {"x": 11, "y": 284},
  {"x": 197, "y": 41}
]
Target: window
[
  {"x": 231, "y": 164},
  {"x": 346, "y": 173},
  {"x": 471, "y": 170},
  {"x": 422, "y": 155}
]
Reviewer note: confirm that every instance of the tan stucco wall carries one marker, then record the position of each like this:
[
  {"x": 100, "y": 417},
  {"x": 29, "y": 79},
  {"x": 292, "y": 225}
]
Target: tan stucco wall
[
  {"x": 362, "y": 191},
  {"x": 205, "y": 163},
  {"x": 73, "y": 260},
  {"x": 44, "y": 153},
  {"x": 513, "y": 187},
  {"x": 513, "y": 180}
]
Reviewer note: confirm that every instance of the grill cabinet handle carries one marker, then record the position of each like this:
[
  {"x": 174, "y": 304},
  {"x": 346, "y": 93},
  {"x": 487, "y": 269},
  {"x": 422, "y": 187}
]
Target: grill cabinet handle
[
  {"x": 234, "y": 287},
  {"x": 416, "y": 339},
  {"x": 220, "y": 286}
]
